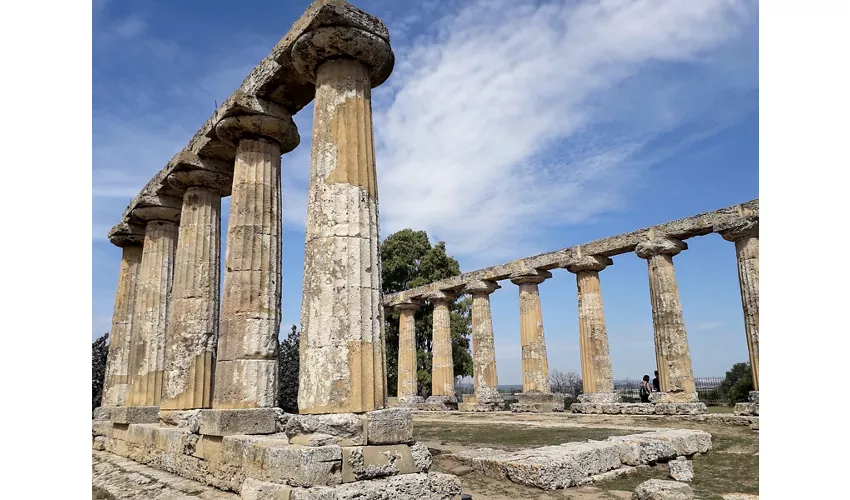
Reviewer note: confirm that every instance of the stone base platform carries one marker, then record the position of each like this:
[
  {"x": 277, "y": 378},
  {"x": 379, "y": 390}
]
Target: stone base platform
[
  {"x": 307, "y": 456},
  {"x": 749, "y": 408},
  {"x": 600, "y": 397},
  {"x": 471, "y": 403},
  {"x": 640, "y": 408},
  {"x": 538, "y": 402},
  {"x": 440, "y": 403},
  {"x": 577, "y": 463}
]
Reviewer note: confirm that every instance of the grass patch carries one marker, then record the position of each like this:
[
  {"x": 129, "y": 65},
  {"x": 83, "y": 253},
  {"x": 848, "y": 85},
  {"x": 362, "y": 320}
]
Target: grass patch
[
  {"x": 506, "y": 436},
  {"x": 721, "y": 409}
]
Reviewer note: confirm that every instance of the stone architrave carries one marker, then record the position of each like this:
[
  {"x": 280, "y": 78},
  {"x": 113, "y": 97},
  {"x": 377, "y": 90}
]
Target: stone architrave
[
  {"x": 442, "y": 365},
  {"x": 343, "y": 368},
  {"x": 535, "y": 365},
  {"x": 246, "y": 365},
  {"x": 484, "y": 377},
  {"x": 153, "y": 297},
  {"x": 596, "y": 375},
  {"x": 746, "y": 238},
  {"x": 192, "y": 328},
  {"x": 671, "y": 340},
  {"x": 407, "y": 370},
  {"x": 129, "y": 239}
]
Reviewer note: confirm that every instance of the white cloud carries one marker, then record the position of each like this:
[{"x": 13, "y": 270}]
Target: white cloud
[{"x": 513, "y": 117}]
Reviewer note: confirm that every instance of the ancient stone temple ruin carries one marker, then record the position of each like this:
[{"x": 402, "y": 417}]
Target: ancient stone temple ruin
[
  {"x": 191, "y": 383},
  {"x": 657, "y": 245},
  {"x": 192, "y": 372}
]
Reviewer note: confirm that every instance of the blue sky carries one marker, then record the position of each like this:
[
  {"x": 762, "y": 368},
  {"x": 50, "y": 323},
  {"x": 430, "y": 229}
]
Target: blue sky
[{"x": 507, "y": 129}]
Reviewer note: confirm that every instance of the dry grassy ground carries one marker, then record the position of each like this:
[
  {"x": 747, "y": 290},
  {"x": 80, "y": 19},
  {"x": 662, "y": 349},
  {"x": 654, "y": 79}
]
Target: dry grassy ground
[{"x": 731, "y": 467}]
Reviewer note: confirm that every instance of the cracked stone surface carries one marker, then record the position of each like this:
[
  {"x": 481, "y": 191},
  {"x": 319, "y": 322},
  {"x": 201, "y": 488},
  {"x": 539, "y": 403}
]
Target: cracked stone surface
[{"x": 681, "y": 469}]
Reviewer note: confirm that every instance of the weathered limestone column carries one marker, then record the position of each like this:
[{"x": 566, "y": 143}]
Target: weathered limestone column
[
  {"x": 192, "y": 329},
  {"x": 746, "y": 240},
  {"x": 442, "y": 364},
  {"x": 129, "y": 239},
  {"x": 596, "y": 375},
  {"x": 342, "y": 342},
  {"x": 407, "y": 370},
  {"x": 484, "y": 376},
  {"x": 246, "y": 366},
  {"x": 671, "y": 340},
  {"x": 535, "y": 365},
  {"x": 153, "y": 297}
]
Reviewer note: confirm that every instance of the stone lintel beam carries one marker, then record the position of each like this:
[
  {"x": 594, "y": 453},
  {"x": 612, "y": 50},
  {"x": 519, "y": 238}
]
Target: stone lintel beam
[
  {"x": 124, "y": 234},
  {"x": 697, "y": 225},
  {"x": 481, "y": 287},
  {"x": 536, "y": 277},
  {"x": 273, "y": 84}
]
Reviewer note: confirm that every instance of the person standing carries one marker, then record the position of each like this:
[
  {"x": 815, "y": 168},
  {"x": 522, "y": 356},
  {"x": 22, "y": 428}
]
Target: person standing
[
  {"x": 644, "y": 389},
  {"x": 656, "y": 384}
]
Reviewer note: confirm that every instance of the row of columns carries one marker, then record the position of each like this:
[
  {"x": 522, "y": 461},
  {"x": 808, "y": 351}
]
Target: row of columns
[
  {"x": 671, "y": 343},
  {"x": 173, "y": 345}
]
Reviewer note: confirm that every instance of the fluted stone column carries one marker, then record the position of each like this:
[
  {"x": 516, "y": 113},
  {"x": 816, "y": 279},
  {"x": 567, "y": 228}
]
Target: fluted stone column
[
  {"x": 407, "y": 370},
  {"x": 535, "y": 365},
  {"x": 596, "y": 375},
  {"x": 671, "y": 340},
  {"x": 246, "y": 366},
  {"x": 130, "y": 239},
  {"x": 153, "y": 297},
  {"x": 192, "y": 329},
  {"x": 746, "y": 240},
  {"x": 484, "y": 376},
  {"x": 342, "y": 368},
  {"x": 442, "y": 364}
]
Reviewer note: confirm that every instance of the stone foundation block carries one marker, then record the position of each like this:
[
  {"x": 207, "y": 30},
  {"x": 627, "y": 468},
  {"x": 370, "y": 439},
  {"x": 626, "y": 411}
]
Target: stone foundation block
[
  {"x": 657, "y": 489},
  {"x": 440, "y": 403},
  {"x": 640, "y": 408},
  {"x": 600, "y": 397},
  {"x": 135, "y": 414},
  {"x": 190, "y": 419},
  {"x": 746, "y": 409},
  {"x": 538, "y": 402},
  {"x": 226, "y": 422},
  {"x": 673, "y": 397},
  {"x": 404, "y": 487},
  {"x": 102, "y": 413},
  {"x": 294, "y": 465},
  {"x": 754, "y": 397},
  {"x": 479, "y": 407},
  {"x": 343, "y": 429},
  {"x": 389, "y": 426},
  {"x": 421, "y": 456},
  {"x": 409, "y": 400},
  {"x": 370, "y": 462},
  {"x": 681, "y": 469},
  {"x": 101, "y": 427},
  {"x": 649, "y": 447},
  {"x": 262, "y": 490}
]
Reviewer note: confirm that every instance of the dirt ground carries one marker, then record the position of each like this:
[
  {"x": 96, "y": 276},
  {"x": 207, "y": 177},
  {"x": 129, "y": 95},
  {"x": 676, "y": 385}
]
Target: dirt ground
[{"x": 731, "y": 466}]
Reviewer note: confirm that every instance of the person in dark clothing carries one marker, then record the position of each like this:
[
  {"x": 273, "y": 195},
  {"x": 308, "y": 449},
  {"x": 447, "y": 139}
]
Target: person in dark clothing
[
  {"x": 656, "y": 385},
  {"x": 644, "y": 389}
]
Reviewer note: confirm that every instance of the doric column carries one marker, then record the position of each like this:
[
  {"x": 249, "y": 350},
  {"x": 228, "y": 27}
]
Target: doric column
[
  {"x": 597, "y": 378},
  {"x": 129, "y": 239},
  {"x": 746, "y": 240},
  {"x": 484, "y": 376},
  {"x": 153, "y": 297},
  {"x": 407, "y": 370},
  {"x": 342, "y": 344},
  {"x": 671, "y": 340},
  {"x": 246, "y": 366},
  {"x": 192, "y": 329},
  {"x": 535, "y": 366},
  {"x": 442, "y": 365}
]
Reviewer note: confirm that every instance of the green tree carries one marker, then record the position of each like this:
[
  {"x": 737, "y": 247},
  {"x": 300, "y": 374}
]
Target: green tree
[
  {"x": 738, "y": 383},
  {"x": 289, "y": 362},
  {"x": 99, "y": 351},
  {"x": 408, "y": 260}
]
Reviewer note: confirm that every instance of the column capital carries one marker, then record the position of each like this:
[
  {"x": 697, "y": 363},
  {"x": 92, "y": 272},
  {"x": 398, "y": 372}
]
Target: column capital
[
  {"x": 407, "y": 304},
  {"x": 441, "y": 296},
  {"x": 733, "y": 231},
  {"x": 280, "y": 129},
  {"x": 535, "y": 276},
  {"x": 579, "y": 263},
  {"x": 184, "y": 179},
  {"x": 371, "y": 46},
  {"x": 481, "y": 287},
  {"x": 187, "y": 160},
  {"x": 660, "y": 246},
  {"x": 157, "y": 207},
  {"x": 125, "y": 234}
]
